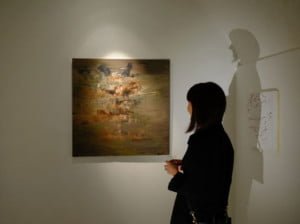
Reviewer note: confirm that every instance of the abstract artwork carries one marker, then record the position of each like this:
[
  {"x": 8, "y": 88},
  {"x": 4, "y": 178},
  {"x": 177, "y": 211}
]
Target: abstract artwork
[
  {"x": 120, "y": 107},
  {"x": 263, "y": 119}
]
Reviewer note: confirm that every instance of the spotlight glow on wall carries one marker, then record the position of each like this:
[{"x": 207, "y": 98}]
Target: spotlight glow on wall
[{"x": 116, "y": 55}]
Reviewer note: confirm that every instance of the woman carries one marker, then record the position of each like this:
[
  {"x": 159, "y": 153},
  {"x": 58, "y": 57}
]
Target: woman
[{"x": 202, "y": 179}]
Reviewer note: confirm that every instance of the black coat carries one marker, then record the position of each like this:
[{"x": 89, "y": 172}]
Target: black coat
[{"x": 207, "y": 170}]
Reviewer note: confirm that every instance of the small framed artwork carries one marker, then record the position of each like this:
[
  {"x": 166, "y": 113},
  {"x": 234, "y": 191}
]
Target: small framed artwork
[{"x": 120, "y": 107}]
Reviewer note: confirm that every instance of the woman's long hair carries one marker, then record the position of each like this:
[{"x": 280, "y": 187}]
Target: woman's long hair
[{"x": 208, "y": 105}]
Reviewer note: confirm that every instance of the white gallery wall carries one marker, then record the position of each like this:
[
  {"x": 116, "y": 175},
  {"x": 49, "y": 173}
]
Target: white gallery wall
[{"x": 40, "y": 182}]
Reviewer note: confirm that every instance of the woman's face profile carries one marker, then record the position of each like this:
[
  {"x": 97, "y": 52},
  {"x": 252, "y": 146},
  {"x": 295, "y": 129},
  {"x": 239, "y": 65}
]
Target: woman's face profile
[{"x": 189, "y": 107}]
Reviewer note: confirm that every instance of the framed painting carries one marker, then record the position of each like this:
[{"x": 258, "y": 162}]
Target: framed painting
[{"x": 120, "y": 107}]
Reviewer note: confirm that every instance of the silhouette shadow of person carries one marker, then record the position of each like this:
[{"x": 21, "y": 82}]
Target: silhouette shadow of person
[{"x": 242, "y": 120}]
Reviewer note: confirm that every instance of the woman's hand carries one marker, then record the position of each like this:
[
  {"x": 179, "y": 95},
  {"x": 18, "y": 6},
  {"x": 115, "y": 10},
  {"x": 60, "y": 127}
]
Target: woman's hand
[{"x": 172, "y": 168}]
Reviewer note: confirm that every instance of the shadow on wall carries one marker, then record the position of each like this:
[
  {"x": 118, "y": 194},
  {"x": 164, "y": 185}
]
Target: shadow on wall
[{"x": 239, "y": 121}]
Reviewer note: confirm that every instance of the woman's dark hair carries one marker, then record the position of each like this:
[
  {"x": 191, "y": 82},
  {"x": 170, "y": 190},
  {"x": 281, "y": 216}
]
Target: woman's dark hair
[{"x": 208, "y": 105}]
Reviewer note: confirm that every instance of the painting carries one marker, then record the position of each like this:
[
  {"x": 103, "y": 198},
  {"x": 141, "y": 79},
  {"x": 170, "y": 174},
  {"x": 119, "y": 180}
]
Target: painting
[{"x": 120, "y": 107}]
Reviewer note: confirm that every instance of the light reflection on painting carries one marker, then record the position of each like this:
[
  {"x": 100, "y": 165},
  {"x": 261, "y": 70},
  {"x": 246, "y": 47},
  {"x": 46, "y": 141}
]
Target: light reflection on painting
[{"x": 120, "y": 107}]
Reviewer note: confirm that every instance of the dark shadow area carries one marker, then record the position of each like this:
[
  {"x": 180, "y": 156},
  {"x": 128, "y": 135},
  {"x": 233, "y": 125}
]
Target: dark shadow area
[{"x": 242, "y": 120}]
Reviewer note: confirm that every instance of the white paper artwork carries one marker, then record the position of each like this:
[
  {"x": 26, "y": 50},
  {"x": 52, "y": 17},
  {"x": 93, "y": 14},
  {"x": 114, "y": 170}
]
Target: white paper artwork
[{"x": 263, "y": 119}]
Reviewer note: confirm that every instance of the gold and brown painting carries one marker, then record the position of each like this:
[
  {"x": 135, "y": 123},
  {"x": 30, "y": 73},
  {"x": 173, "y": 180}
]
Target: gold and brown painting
[{"x": 120, "y": 107}]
